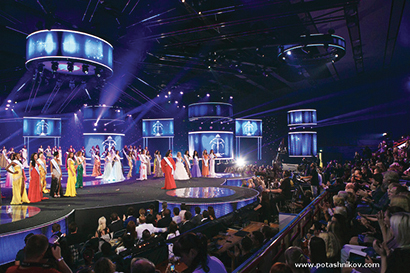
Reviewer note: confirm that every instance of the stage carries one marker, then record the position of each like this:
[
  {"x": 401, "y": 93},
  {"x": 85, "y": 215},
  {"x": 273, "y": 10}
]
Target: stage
[{"x": 96, "y": 200}]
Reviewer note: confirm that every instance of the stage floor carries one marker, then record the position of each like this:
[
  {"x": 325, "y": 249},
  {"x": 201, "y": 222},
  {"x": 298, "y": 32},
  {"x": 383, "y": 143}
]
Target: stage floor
[{"x": 94, "y": 195}]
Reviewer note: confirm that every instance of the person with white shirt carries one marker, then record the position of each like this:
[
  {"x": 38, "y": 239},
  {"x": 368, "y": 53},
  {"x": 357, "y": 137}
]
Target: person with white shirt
[
  {"x": 150, "y": 227},
  {"x": 177, "y": 219}
]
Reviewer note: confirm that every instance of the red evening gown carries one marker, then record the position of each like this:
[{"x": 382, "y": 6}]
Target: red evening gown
[
  {"x": 169, "y": 178},
  {"x": 34, "y": 189}
]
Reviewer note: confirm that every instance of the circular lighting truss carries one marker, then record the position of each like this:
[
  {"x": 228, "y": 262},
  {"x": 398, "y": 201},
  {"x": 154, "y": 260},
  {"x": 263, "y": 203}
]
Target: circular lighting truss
[
  {"x": 69, "y": 52},
  {"x": 313, "y": 49}
]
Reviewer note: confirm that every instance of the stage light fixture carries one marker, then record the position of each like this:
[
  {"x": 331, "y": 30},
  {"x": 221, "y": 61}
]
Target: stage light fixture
[
  {"x": 9, "y": 101},
  {"x": 166, "y": 96},
  {"x": 181, "y": 93},
  {"x": 70, "y": 66},
  {"x": 169, "y": 92},
  {"x": 183, "y": 106},
  {"x": 8, "y": 105},
  {"x": 95, "y": 129},
  {"x": 231, "y": 97},
  {"x": 7, "y": 108},
  {"x": 176, "y": 102},
  {"x": 240, "y": 162},
  {"x": 97, "y": 72},
  {"x": 95, "y": 124},
  {"x": 289, "y": 53},
  {"x": 208, "y": 95},
  {"x": 85, "y": 69},
  {"x": 158, "y": 95}
]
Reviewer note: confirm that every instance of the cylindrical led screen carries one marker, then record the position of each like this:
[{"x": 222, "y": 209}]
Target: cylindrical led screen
[
  {"x": 302, "y": 117},
  {"x": 302, "y": 144}
]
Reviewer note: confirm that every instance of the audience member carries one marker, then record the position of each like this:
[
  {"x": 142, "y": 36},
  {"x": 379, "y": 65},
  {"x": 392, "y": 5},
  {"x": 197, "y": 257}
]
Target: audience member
[{"x": 116, "y": 223}]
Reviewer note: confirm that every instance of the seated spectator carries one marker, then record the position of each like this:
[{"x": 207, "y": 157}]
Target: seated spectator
[
  {"x": 246, "y": 247},
  {"x": 164, "y": 206},
  {"x": 73, "y": 237},
  {"x": 59, "y": 238},
  {"x": 88, "y": 256},
  {"x": 20, "y": 253},
  {"x": 205, "y": 217},
  {"x": 295, "y": 255},
  {"x": 177, "y": 219},
  {"x": 280, "y": 268},
  {"x": 182, "y": 211},
  {"x": 173, "y": 232},
  {"x": 196, "y": 220},
  {"x": 34, "y": 261},
  {"x": 151, "y": 210},
  {"x": 130, "y": 230},
  {"x": 127, "y": 243},
  {"x": 397, "y": 260},
  {"x": 211, "y": 212},
  {"x": 401, "y": 201},
  {"x": 258, "y": 239},
  {"x": 165, "y": 220},
  {"x": 104, "y": 265},
  {"x": 150, "y": 227},
  {"x": 268, "y": 233},
  {"x": 317, "y": 254},
  {"x": 146, "y": 237},
  {"x": 192, "y": 248},
  {"x": 116, "y": 223},
  {"x": 142, "y": 212},
  {"x": 103, "y": 231},
  {"x": 130, "y": 217},
  {"x": 186, "y": 223},
  {"x": 333, "y": 246},
  {"x": 142, "y": 265}
]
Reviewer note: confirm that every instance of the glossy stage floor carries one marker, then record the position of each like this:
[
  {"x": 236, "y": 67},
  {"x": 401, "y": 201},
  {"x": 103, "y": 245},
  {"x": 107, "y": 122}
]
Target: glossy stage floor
[{"x": 96, "y": 199}]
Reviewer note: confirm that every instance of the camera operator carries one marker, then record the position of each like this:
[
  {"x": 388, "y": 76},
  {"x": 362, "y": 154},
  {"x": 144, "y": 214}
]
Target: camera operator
[{"x": 34, "y": 261}]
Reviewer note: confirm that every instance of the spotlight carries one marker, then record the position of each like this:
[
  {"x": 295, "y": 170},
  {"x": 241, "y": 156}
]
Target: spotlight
[
  {"x": 85, "y": 68},
  {"x": 103, "y": 105},
  {"x": 208, "y": 95},
  {"x": 70, "y": 66},
  {"x": 9, "y": 101},
  {"x": 183, "y": 106},
  {"x": 283, "y": 58},
  {"x": 54, "y": 66},
  {"x": 15, "y": 102},
  {"x": 181, "y": 93},
  {"x": 169, "y": 92},
  {"x": 182, "y": 1},
  {"x": 176, "y": 102},
  {"x": 8, "y": 105},
  {"x": 199, "y": 13},
  {"x": 7, "y": 108},
  {"x": 336, "y": 55},
  {"x": 158, "y": 96},
  {"x": 97, "y": 72},
  {"x": 166, "y": 96},
  {"x": 289, "y": 53},
  {"x": 240, "y": 162},
  {"x": 40, "y": 68},
  {"x": 384, "y": 134},
  {"x": 95, "y": 129},
  {"x": 231, "y": 97},
  {"x": 85, "y": 105}
]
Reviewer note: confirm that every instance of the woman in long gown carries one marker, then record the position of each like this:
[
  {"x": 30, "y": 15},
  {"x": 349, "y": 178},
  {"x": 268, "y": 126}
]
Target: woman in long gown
[
  {"x": 18, "y": 178},
  {"x": 168, "y": 167},
  {"x": 137, "y": 163},
  {"x": 35, "y": 193},
  {"x": 117, "y": 168},
  {"x": 79, "y": 165},
  {"x": 97, "y": 164},
  {"x": 196, "y": 171},
  {"x": 180, "y": 172},
  {"x": 84, "y": 164},
  {"x": 212, "y": 157},
  {"x": 24, "y": 157},
  {"x": 143, "y": 167},
  {"x": 130, "y": 163},
  {"x": 157, "y": 165},
  {"x": 148, "y": 162},
  {"x": 41, "y": 161},
  {"x": 71, "y": 181},
  {"x": 205, "y": 163},
  {"x": 107, "y": 176},
  {"x": 187, "y": 164}
]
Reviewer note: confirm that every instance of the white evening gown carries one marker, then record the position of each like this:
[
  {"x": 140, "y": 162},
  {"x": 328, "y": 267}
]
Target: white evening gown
[
  {"x": 117, "y": 170},
  {"x": 180, "y": 172},
  {"x": 143, "y": 167},
  {"x": 107, "y": 176},
  {"x": 211, "y": 165}
]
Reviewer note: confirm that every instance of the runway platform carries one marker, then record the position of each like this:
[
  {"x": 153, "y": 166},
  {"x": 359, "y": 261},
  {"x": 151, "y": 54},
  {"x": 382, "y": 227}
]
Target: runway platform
[{"x": 97, "y": 199}]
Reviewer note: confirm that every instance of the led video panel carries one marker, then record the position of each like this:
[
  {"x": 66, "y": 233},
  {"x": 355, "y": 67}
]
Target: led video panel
[
  {"x": 103, "y": 140},
  {"x": 41, "y": 127},
  {"x": 158, "y": 127},
  {"x": 302, "y": 117},
  {"x": 221, "y": 142},
  {"x": 209, "y": 110},
  {"x": 248, "y": 128},
  {"x": 302, "y": 144}
]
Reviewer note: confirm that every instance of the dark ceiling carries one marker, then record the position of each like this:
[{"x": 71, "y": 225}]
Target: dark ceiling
[{"x": 224, "y": 48}]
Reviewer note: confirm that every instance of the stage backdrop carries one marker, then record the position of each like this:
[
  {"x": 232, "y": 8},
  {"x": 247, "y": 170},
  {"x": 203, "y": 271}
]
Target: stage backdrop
[
  {"x": 41, "y": 127},
  {"x": 221, "y": 142},
  {"x": 158, "y": 127},
  {"x": 103, "y": 140},
  {"x": 248, "y": 127},
  {"x": 302, "y": 144}
]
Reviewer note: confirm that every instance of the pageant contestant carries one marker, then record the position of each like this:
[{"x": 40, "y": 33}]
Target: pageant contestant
[
  {"x": 56, "y": 175},
  {"x": 157, "y": 164},
  {"x": 148, "y": 162},
  {"x": 41, "y": 161},
  {"x": 3, "y": 158},
  {"x": 35, "y": 193},
  {"x": 71, "y": 181},
  {"x": 84, "y": 163},
  {"x": 196, "y": 171},
  {"x": 137, "y": 163},
  {"x": 23, "y": 153},
  {"x": 80, "y": 168},
  {"x": 107, "y": 168},
  {"x": 205, "y": 164},
  {"x": 143, "y": 168},
  {"x": 168, "y": 167},
  {"x": 130, "y": 163},
  {"x": 187, "y": 164},
  {"x": 117, "y": 168},
  {"x": 180, "y": 172},
  {"x": 97, "y": 164},
  {"x": 15, "y": 168},
  {"x": 212, "y": 158}
]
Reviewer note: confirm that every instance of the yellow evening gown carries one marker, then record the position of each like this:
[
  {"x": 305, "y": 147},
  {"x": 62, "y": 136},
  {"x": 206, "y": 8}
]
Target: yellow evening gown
[
  {"x": 43, "y": 182},
  {"x": 19, "y": 188},
  {"x": 72, "y": 179}
]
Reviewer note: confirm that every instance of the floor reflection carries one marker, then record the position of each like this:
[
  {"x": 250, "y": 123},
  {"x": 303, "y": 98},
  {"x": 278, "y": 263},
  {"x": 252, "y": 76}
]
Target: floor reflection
[
  {"x": 13, "y": 213},
  {"x": 201, "y": 192}
]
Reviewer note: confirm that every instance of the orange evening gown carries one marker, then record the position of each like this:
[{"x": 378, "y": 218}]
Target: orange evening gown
[
  {"x": 169, "y": 177},
  {"x": 205, "y": 168}
]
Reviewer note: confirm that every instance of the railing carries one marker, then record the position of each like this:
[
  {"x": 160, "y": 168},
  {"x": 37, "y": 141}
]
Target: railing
[{"x": 263, "y": 259}]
